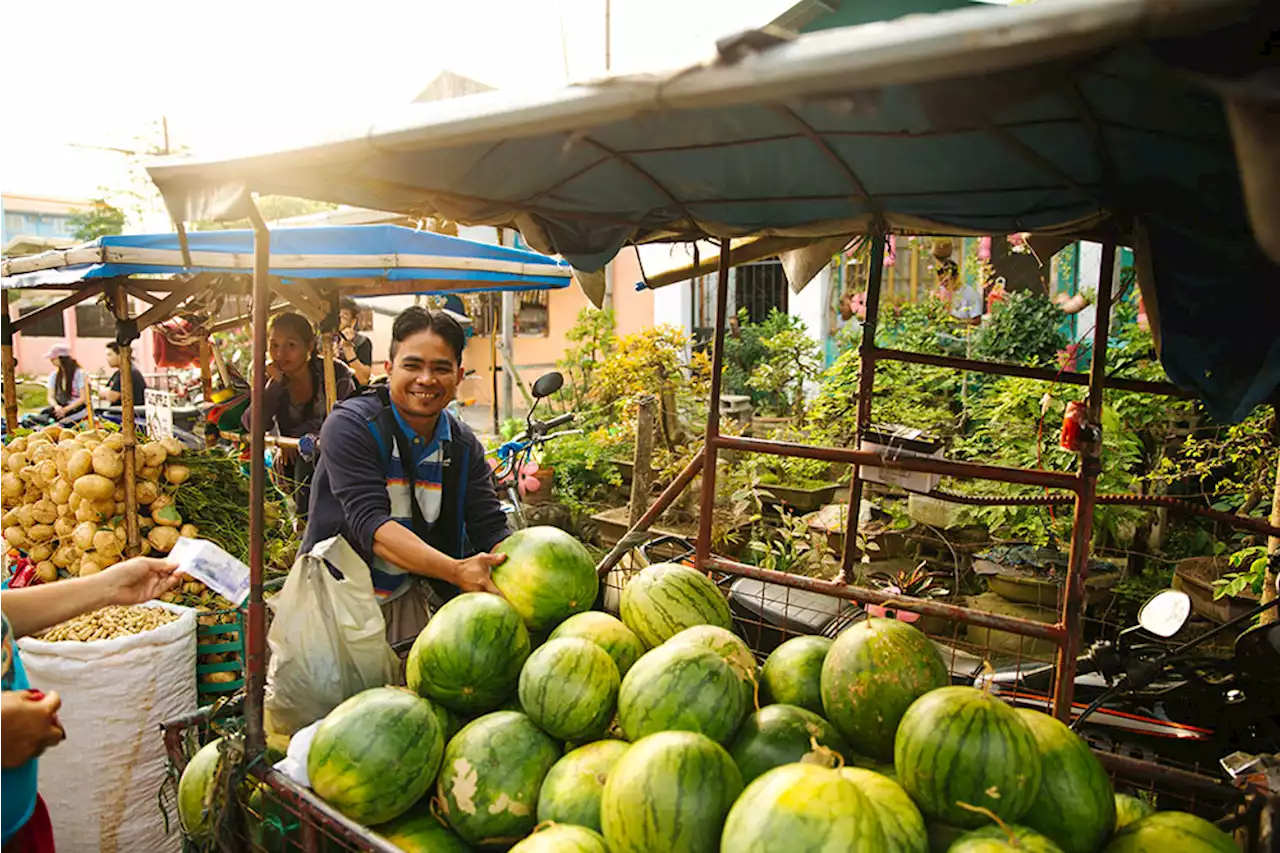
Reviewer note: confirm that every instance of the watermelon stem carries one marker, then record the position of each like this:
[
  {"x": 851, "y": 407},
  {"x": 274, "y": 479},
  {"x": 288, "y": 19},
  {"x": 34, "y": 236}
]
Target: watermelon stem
[
  {"x": 1004, "y": 827},
  {"x": 825, "y": 754}
]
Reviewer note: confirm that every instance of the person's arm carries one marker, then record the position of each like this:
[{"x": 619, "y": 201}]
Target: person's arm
[
  {"x": 356, "y": 477},
  {"x": 362, "y": 365},
  {"x": 271, "y": 394},
  {"x": 486, "y": 522},
  {"x": 50, "y": 394},
  {"x": 32, "y": 609},
  {"x": 112, "y": 394}
]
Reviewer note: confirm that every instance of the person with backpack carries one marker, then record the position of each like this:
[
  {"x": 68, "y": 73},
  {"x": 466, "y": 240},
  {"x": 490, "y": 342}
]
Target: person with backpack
[{"x": 406, "y": 482}]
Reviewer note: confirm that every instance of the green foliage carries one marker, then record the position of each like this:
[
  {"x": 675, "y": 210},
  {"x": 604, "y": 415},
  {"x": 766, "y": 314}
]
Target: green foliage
[
  {"x": 786, "y": 548},
  {"x": 791, "y": 357},
  {"x": 592, "y": 341},
  {"x": 101, "y": 220},
  {"x": 1021, "y": 328},
  {"x": 1233, "y": 466},
  {"x": 652, "y": 361},
  {"x": 1253, "y": 562},
  {"x": 584, "y": 473}
]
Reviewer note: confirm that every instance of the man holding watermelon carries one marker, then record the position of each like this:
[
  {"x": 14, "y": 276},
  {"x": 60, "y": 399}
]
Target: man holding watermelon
[
  {"x": 30, "y": 725},
  {"x": 406, "y": 482}
]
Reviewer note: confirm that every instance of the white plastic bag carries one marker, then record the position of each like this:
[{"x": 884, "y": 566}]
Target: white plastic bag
[
  {"x": 327, "y": 639},
  {"x": 101, "y": 783}
]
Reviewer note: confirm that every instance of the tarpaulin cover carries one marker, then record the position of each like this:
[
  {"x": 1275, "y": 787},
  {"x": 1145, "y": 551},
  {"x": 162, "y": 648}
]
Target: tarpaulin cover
[
  {"x": 387, "y": 252},
  {"x": 1070, "y": 117}
]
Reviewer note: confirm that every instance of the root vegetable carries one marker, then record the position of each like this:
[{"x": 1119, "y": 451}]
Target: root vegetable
[
  {"x": 87, "y": 512},
  {"x": 120, "y": 534},
  {"x": 18, "y": 445},
  {"x": 166, "y": 516},
  {"x": 119, "y": 508},
  {"x": 45, "y": 511},
  {"x": 42, "y": 551},
  {"x": 40, "y": 532},
  {"x": 53, "y": 432},
  {"x": 82, "y": 536},
  {"x": 64, "y": 526},
  {"x": 16, "y": 537},
  {"x": 74, "y": 501},
  {"x": 107, "y": 462},
  {"x": 189, "y": 531},
  {"x": 145, "y": 548},
  {"x": 27, "y": 515},
  {"x": 66, "y": 556},
  {"x": 9, "y": 519},
  {"x": 46, "y": 571},
  {"x": 89, "y": 566},
  {"x": 42, "y": 452},
  {"x": 94, "y": 487},
  {"x": 105, "y": 542},
  {"x": 118, "y": 494},
  {"x": 106, "y": 508},
  {"x": 177, "y": 474},
  {"x": 109, "y": 623},
  {"x": 47, "y": 471},
  {"x": 146, "y": 492},
  {"x": 163, "y": 538},
  {"x": 10, "y": 486},
  {"x": 151, "y": 473},
  {"x": 154, "y": 454},
  {"x": 172, "y": 446},
  {"x": 17, "y": 461},
  {"x": 79, "y": 464},
  {"x": 59, "y": 490},
  {"x": 115, "y": 441},
  {"x": 106, "y": 560},
  {"x": 74, "y": 568}
]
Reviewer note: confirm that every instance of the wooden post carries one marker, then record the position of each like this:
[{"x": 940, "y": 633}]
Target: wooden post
[
  {"x": 915, "y": 273},
  {"x": 206, "y": 370},
  {"x": 328, "y": 343},
  {"x": 642, "y": 471},
  {"x": 133, "y": 541},
  {"x": 1273, "y": 545},
  {"x": 7, "y": 367}
]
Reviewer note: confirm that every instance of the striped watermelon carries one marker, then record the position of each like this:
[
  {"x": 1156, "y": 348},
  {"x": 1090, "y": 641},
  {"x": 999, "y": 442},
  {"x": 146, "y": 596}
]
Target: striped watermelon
[
  {"x": 997, "y": 839},
  {"x": 376, "y": 754},
  {"x": 1165, "y": 832},
  {"x": 572, "y": 790},
  {"x": 548, "y": 576},
  {"x": 605, "y": 631},
  {"x": 871, "y": 675},
  {"x": 569, "y": 687},
  {"x": 664, "y": 599},
  {"x": 1075, "y": 806},
  {"x": 469, "y": 656},
  {"x": 900, "y": 820},
  {"x": 1130, "y": 809},
  {"x": 793, "y": 674},
  {"x": 193, "y": 790},
  {"x": 669, "y": 794},
  {"x": 959, "y": 745},
  {"x": 562, "y": 838},
  {"x": 783, "y": 734},
  {"x": 681, "y": 687},
  {"x": 803, "y": 807},
  {"x": 489, "y": 780},
  {"x": 449, "y": 721},
  {"x": 419, "y": 831},
  {"x": 729, "y": 646}
]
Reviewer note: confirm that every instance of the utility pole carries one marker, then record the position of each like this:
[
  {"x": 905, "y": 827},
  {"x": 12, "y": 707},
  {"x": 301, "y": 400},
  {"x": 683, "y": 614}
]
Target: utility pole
[{"x": 508, "y": 346}]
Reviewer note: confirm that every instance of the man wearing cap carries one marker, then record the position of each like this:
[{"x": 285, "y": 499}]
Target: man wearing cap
[{"x": 112, "y": 395}]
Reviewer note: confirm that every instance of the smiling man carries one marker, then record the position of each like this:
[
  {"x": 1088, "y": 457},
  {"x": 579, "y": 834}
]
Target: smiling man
[{"x": 406, "y": 483}]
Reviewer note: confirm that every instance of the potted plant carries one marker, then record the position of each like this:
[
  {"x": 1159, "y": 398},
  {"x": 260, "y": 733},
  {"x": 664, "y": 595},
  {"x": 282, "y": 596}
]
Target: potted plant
[{"x": 909, "y": 583}]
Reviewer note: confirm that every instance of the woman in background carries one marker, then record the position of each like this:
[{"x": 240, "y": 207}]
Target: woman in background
[{"x": 65, "y": 389}]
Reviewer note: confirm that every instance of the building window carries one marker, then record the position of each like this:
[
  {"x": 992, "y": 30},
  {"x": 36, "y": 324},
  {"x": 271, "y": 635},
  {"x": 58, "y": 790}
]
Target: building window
[
  {"x": 94, "y": 321},
  {"x": 760, "y": 287},
  {"x": 48, "y": 326},
  {"x": 533, "y": 312}
]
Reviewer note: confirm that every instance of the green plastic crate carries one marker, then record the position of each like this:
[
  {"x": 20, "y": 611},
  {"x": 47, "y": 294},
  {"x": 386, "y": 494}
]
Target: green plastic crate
[{"x": 220, "y": 639}]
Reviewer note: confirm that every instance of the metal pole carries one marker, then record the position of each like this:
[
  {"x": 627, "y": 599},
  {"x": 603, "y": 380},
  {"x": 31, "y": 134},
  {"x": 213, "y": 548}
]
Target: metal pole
[
  {"x": 1273, "y": 545},
  {"x": 509, "y": 348},
  {"x": 7, "y": 366},
  {"x": 1082, "y": 529},
  {"x": 866, "y": 384},
  {"x": 707, "y": 511},
  {"x": 128, "y": 430},
  {"x": 255, "y": 629},
  {"x": 493, "y": 364},
  {"x": 637, "y": 535}
]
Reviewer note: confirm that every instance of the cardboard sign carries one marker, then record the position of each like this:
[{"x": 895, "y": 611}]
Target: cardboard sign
[{"x": 159, "y": 413}]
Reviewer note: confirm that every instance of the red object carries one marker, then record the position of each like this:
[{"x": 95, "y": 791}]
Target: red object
[
  {"x": 35, "y": 695},
  {"x": 36, "y": 835},
  {"x": 25, "y": 575},
  {"x": 1073, "y": 426}
]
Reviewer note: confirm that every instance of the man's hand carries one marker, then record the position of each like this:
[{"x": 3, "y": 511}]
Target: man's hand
[
  {"x": 473, "y": 573},
  {"x": 29, "y": 726},
  {"x": 139, "y": 579}
]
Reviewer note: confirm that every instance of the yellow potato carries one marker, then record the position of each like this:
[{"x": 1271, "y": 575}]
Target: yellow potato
[
  {"x": 16, "y": 537},
  {"x": 74, "y": 501},
  {"x": 27, "y": 515},
  {"x": 82, "y": 536},
  {"x": 163, "y": 538},
  {"x": 46, "y": 571},
  {"x": 172, "y": 446},
  {"x": 59, "y": 490},
  {"x": 146, "y": 492},
  {"x": 189, "y": 531},
  {"x": 41, "y": 551},
  {"x": 107, "y": 462},
  {"x": 115, "y": 441},
  {"x": 105, "y": 542},
  {"x": 66, "y": 556},
  {"x": 40, "y": 532},
  {"x": 64, "y": 526},
  {"x": 79, "y": 464},
  {"x": 89, "y": 566},
  {"x": 44, "y": 511},
  {"x": 150, "y": 473},
  {"x": 10, "y": 486},
  {"x": 154, "y": 453},
  {"x": 177, "y": 474},
  {"x": 17, "y": 461},
  {"x": 87, "y": 512},
  {"x": 94, "y": 487},
  {"x": 53, "y": 432}
]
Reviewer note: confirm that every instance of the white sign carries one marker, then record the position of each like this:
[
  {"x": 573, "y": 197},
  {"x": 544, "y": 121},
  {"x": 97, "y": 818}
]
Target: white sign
[{"x": 159, "y": 413}]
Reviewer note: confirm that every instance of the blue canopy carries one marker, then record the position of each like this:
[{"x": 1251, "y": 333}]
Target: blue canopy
[{"x": 382, "y": 253}]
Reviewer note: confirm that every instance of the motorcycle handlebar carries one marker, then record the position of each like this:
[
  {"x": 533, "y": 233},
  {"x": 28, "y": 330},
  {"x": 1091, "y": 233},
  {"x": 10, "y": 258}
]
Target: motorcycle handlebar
[{"x": 557, "y": 421}]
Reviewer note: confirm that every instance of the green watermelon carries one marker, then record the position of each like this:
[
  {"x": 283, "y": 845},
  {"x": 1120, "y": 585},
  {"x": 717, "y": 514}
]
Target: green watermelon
[
  {"x": 605, "y": 631},
  {"x": 959, "y": 745},
  {"x": 729, "y": 646},
  {"x": 783, "y": 734},
  {"x": 793, "y": 674},
  {"x": 469, "y": 656},
  {"x": 193, "y": 790},
  {"x": 449, "y": 722},
  {"x": 548, "y": 576},
  {"x": 669, "y": 793},
  {"x": 803, "y": 807},
  {"x": 419, "y": 831},
  {"x": 1165, "y": 832},
  {"x": 662, "y": 600},
  {"x": 900, "y": 820},
  {"x": 682, "y": 687},
  {"x": 376, "y": 754},
  {"x": 573, "y": 787},
  {"x": 489, "y": 780},
  {"x": 569, "y": 687},
  {"x": 562, "y": 838},
  {"x": 871, "y": 675},
  {"x": 996, "y": 839},
  {"x": 1130, "y": 809},
  {"x": 1075, "y": 806}
]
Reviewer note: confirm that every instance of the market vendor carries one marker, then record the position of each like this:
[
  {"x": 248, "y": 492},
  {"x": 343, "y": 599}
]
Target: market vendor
[
  {"x": 406, "y": 482},
  {"x": 355, "y": 350},
  {"x": 294, "y": 401},
  {"x": 29, "y": 725},
  {"x": 112, "y": 395}
]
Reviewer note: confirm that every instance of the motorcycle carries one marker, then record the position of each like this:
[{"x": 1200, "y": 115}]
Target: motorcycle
[{"x": 514, "y": 458}]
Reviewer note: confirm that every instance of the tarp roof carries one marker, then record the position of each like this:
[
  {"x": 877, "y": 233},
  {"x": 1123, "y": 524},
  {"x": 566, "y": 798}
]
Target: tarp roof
[
  {"x": 388, "y": 253},
  {"x": 1075, "y": 117}
]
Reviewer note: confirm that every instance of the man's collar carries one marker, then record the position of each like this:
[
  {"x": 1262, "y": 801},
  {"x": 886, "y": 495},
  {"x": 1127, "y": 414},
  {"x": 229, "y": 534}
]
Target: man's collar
[{"x": 443, "y": 431}]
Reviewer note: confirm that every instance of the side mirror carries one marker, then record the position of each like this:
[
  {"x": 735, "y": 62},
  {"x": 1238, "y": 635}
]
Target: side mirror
[
  {"x": 548, "y": 384},
  {"x": 1165, "y": 613}
]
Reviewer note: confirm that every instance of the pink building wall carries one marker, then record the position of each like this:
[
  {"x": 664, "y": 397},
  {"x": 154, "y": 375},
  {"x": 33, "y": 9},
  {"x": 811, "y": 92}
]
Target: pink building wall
[{"x": 90, "y": 352}]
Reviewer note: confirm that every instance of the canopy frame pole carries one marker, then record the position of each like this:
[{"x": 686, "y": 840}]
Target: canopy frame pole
[
  {"x": 706, "y": 513},
  {"x": 328, "y": 328},
  {"x": 8, "y": 366},
  {"x": 126, "y": 334},
  {"x": 866, "y": 384},
  {"x": 1074, "y": 591},
  {"x": 55, "y": 307},
  {"x": 255, "y": 629}
]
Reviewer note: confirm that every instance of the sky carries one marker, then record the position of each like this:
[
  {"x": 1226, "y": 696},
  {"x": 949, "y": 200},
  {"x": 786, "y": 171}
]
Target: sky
[{"x": 252, "y": 73}]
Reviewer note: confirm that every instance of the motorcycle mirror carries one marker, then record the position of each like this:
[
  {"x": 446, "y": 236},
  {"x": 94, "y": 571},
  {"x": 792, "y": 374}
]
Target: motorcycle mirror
[
  {"x": 548, "y": 384},
  {"x": 1165, "y": 613}
]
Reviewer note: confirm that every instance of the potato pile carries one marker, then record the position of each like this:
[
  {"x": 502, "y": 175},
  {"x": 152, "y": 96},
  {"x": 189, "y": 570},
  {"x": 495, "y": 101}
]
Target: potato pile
[
  {"x": 109, "y": 623},
  {"x": 63, "y": 499}
]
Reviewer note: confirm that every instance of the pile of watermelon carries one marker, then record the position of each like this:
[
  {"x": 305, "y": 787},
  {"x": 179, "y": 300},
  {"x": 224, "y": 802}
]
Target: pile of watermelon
[{"x": 660, "y": 733}]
